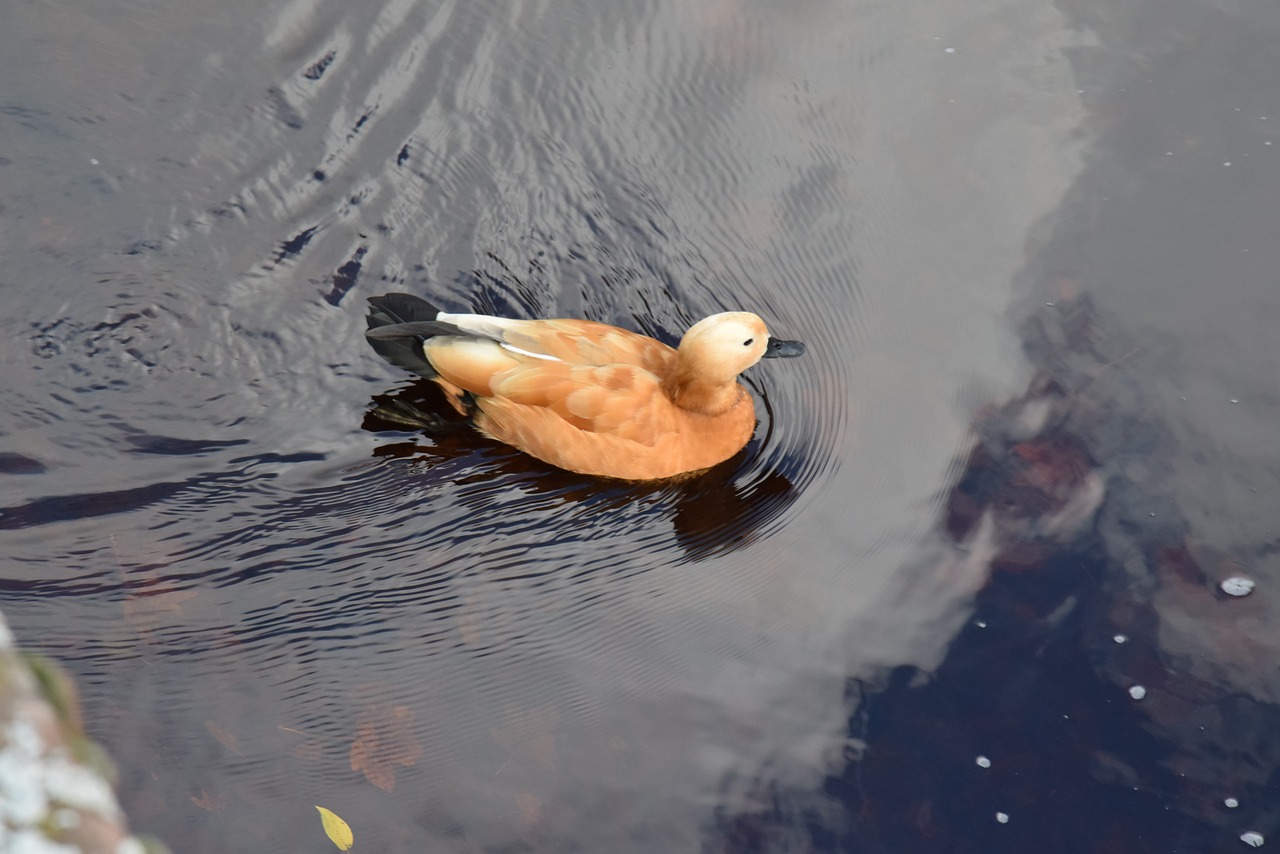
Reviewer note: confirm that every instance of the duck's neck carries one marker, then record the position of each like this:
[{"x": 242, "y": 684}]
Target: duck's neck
[{"x": 700, "y": 395}]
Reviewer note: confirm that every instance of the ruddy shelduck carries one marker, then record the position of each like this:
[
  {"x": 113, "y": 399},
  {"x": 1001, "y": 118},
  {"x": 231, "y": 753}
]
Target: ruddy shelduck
[{"x": 586, "y": 396}]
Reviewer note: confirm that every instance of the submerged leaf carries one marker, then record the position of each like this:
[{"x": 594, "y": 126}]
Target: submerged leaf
[
  {"x": 384, "y": 738},
  {"x": 207, "y": 801},
  {"x": 225, "y": 737},
  {"x": 336, "y": 829}
]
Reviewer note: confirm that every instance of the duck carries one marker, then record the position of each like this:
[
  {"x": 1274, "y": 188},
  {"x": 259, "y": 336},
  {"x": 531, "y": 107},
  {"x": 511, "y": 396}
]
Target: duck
[{"x": 585, "y": 396}]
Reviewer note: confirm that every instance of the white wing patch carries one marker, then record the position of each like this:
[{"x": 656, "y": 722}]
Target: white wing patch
[
  {"x": 480, "y": 325},
  {"x": 492, "y": 328},
  {"x": 514, "y": 349}
]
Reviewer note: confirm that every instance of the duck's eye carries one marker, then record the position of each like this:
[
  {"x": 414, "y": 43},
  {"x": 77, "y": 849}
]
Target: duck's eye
[{"x": 748, "y": 342}]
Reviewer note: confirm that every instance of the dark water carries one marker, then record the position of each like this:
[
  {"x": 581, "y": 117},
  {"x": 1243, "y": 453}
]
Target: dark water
[{"x": 1038, "y": 412}]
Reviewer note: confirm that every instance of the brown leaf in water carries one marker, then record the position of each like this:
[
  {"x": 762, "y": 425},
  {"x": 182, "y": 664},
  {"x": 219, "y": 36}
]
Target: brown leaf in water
[
  {"x": 310, "y": 750},
  {"x": 151, "y": 598},
  {"x": 224, "y": 736},
  {"x": 207, "y": 801},
  {"x": 384, "y": 739},
  {"x": 530, "y": 806},
  {"x": 148, "y": 610}
]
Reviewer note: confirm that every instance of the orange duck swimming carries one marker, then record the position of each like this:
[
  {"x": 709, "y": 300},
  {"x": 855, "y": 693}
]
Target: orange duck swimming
[{"x": 585, "y": 396}]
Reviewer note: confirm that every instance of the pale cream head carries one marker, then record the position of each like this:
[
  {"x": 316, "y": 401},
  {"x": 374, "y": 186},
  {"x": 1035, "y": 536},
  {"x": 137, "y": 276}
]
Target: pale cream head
[{"x": 724, "y": 345}]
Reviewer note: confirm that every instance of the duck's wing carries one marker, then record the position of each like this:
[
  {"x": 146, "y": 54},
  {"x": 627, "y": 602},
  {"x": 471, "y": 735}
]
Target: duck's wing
[
  {"x": 619, "y": 399},
  {"x": 612, "y": 420},
  {"x": 578, "y": 342},
  {"x": 624, "y": 401}
]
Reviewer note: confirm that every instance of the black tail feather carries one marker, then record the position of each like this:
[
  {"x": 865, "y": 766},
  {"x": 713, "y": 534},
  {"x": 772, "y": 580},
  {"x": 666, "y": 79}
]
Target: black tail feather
[
  {"x": 415, "y": 316},
  {"x": 420, "y": 329},
  {"x": 399, "y": 308}
]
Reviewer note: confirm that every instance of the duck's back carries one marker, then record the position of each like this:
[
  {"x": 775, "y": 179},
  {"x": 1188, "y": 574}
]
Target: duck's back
[{"x": 577, "y": 342}]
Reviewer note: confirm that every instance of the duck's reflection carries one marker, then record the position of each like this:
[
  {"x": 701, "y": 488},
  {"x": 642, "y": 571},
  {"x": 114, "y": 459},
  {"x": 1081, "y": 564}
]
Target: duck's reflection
[{"x": 712, "y": 512}]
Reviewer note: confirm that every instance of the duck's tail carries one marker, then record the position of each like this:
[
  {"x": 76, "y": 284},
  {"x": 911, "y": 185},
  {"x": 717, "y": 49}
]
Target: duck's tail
[{"x": 398, "y": 324}]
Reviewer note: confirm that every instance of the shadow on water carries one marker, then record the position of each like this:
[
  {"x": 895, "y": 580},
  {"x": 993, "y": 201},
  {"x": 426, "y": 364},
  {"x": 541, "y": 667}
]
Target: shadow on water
[{"x": 713, "y": 513}]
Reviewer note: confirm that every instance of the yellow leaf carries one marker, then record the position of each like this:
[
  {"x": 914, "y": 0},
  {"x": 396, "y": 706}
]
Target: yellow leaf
[{"x": 336, "y": 829}]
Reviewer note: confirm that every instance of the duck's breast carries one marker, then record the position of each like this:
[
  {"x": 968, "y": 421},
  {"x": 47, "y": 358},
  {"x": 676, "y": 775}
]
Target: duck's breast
[{"x": 543, "y": 433}]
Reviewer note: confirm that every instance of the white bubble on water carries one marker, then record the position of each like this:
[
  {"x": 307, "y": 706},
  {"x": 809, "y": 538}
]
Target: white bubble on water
[{"x": 1237, "y": 585}]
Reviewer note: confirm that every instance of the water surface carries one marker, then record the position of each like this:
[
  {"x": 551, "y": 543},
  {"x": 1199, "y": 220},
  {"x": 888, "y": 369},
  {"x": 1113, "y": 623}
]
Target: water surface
[{"x": 272, "y": 598}]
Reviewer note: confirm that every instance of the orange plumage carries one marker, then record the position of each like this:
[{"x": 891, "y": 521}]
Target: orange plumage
[{"x": 586, "y": 396}]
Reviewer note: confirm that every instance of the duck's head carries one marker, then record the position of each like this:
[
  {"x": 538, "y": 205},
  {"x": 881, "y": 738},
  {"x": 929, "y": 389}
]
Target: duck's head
[{"x": 721, "y": 346}]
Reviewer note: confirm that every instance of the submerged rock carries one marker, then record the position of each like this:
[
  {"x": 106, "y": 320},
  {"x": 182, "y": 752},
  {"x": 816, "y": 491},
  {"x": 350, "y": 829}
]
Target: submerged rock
[{"x": 56, "y": 794}]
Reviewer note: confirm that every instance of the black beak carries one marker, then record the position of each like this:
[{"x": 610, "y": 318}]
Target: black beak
[{"x": 779, "y": 349}]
